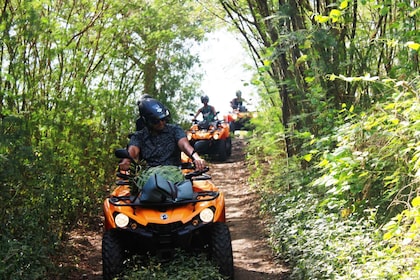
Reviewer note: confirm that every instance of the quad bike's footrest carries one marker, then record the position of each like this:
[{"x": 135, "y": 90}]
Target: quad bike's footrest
[{"x": 130, "y": 200}]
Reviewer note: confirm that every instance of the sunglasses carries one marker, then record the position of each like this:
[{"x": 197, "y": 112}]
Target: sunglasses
[{"x": 156, "y": 121}]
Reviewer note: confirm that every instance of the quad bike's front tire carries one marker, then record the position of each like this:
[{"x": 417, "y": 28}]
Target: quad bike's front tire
[
  {"x": 229, "y": 146},
  {"x": 221, "y": 150},
  {"x": 221, "y": 249},
  {"x": 112, "y": 255}
]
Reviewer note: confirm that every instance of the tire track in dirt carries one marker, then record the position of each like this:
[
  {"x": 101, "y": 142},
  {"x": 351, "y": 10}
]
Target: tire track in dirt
[{"x": 252, "y": 255}]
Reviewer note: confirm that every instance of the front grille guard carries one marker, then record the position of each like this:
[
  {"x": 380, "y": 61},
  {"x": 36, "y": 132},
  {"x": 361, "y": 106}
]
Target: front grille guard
[{"x": 131, "y": 200}]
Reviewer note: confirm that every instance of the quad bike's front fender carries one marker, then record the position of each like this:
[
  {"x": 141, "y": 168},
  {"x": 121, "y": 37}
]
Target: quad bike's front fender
[{"x": 144, "y": 215}]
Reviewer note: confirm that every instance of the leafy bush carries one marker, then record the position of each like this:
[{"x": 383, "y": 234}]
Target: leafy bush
[
  {"x": 354, "y": 218},
  {"x": 376, "y": 159},
  {"x": 182, "y": 266}
]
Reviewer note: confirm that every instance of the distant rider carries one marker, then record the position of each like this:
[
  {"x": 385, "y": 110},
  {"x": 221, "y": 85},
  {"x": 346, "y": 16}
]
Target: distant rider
[
  {"x": 237, "y": 102},
  {"x": 208, "y": 111}
]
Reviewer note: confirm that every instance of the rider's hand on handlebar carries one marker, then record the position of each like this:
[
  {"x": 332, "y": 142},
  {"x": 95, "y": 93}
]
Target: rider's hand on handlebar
[
  {"x": 125, "y": 164},
  {"x": 199, "y": 163}
]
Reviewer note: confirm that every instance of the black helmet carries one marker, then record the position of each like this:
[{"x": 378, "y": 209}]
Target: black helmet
[
  {"x": 204, "y": 99},
  {"x": 152, "y": 110},
  {"x": 144, "y": 96}
]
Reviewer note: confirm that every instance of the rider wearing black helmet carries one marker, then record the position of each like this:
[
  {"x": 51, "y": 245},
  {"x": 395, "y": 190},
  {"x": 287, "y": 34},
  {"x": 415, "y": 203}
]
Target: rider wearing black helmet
[
  {"x": 207, "y": 110},
  {"x": 159, "y": 143}
]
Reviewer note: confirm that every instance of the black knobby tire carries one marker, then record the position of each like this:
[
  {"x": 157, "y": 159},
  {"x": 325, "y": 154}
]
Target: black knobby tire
[
  {"x": 228, "y": 146},
  {"x": 221, "y": 249},
  {"x": 221, "y": 149},
  {"x": 112, "y": 255}
]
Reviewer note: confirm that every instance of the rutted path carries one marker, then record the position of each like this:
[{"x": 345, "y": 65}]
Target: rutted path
[{"x": 252, "y": 256}]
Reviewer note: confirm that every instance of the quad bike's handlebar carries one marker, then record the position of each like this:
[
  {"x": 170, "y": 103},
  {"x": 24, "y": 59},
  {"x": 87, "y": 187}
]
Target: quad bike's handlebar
[
  {"x": 123, "y": 153},
  {"x": 131, "y": 179}
]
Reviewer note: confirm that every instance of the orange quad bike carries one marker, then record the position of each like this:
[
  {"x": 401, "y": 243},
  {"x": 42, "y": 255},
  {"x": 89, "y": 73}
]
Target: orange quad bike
[
  {"x": 211, "y": 138},
  {"x": 240, "y": 119},
  {"x": 161, "y": 216}
]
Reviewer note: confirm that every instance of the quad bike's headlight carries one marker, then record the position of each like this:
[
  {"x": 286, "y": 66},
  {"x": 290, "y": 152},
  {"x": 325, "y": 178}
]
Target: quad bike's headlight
[
  {"x": 121, "y": 220},
  {"x": 207, "y": 215},
  {"x": 216, "y": 136}
]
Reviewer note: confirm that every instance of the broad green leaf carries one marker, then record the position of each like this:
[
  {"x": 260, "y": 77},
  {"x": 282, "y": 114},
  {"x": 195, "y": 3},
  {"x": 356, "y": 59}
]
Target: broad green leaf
[
  {"x": 395, "y": 121},
  {"x": 267, "y": 62},
  {"x": 388, "y": 235},
  {"x": 309, "y": 79},
  {"x": 416, "y": 201},
  {"x": 384, "y": 11},
  {"x": 344, "y": 4},
  {"x": 389, "y": 106},
  {"x": 307, "y": 157},
  {"x": 321, "y": 19},
  {"x": 301, "y": 59},
  {"x": 335, "y": 13},
  {"x": 323, "y": 163},
  {"x": 413, "y": 45}
]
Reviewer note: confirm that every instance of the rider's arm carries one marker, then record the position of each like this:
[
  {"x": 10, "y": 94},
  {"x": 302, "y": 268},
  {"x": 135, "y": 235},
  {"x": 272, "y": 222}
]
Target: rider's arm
[
  {"x": 185, "y": 146},
  {"x": 213, "y": 110},
  {"x": 198, "y": 113}
]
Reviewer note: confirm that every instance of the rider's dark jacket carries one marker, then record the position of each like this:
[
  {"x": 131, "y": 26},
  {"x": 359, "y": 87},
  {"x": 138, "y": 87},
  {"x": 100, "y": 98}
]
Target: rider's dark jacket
[{"x": 159, "y": 149}]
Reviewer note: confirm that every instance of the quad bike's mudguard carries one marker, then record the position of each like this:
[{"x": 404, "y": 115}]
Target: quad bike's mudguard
[{"x": 172, "y": 217}]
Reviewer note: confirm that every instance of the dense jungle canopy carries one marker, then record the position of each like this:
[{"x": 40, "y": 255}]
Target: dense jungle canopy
[{"x": 337, "y": 138}]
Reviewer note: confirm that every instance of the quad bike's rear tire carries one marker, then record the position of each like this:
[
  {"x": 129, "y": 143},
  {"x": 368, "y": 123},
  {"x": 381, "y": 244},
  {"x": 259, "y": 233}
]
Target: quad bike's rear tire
[
  {"x": 221, "y": 249},
  {"x": 221, "y": 150},
  {"x": 112, "y": 255}
]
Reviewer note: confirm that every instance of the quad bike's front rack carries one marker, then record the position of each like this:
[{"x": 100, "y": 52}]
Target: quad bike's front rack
[{"x": 134, "y": 200}]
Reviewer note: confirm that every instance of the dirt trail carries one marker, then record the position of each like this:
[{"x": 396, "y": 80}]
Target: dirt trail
[{"x": 252, "y": 256}]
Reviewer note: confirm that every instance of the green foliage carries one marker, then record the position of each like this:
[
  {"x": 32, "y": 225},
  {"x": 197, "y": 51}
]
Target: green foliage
[
  {"x": 337, "y": 153},
  {"x": 71, "y": 73},
  {"x": 328, "y": 223},
  {"x": 376, "y": 159},
  {"x": 182, "y": 266}
]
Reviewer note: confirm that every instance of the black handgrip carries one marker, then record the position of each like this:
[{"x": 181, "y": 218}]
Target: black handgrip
[
  {"x": 123, "y": 176},
  {"x": 196, "y": 173}
]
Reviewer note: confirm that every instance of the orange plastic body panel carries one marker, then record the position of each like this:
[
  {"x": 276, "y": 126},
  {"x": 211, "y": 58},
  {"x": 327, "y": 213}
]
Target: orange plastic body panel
[
  {"x": 183, "y": 213},
  {"x": 207, "y": 134},
  {"x": 236, "y": 115}
]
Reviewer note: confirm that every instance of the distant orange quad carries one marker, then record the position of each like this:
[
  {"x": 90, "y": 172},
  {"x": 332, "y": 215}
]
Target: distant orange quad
[
  {"x": 240, "y": 119},
  {"x": 211, "y": 138}
]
